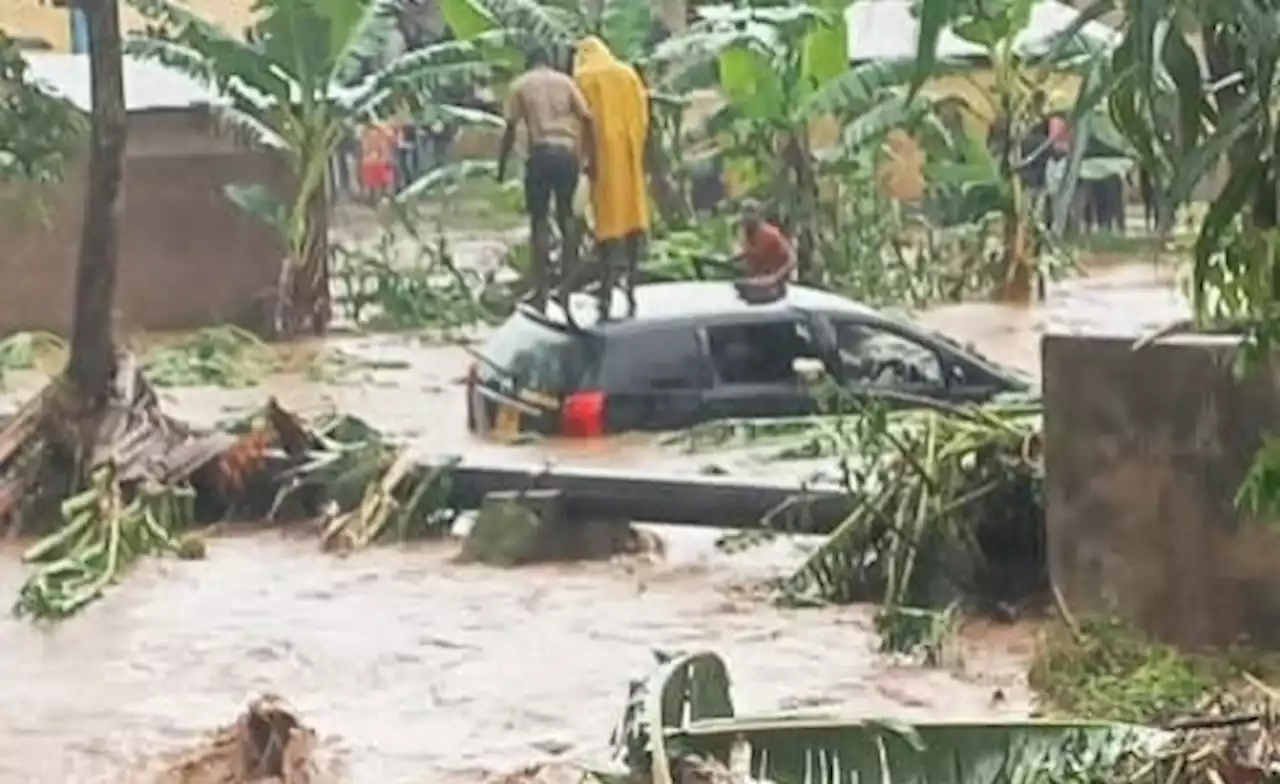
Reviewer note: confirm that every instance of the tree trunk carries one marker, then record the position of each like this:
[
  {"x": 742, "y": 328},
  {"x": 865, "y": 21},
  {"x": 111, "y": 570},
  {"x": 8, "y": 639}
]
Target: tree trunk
[
  {"x": 92, "y": 362},
  {"x": 305, "y": 305}
]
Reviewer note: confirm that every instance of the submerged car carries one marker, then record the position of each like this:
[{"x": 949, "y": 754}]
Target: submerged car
[{"x": 696, "y": 351}]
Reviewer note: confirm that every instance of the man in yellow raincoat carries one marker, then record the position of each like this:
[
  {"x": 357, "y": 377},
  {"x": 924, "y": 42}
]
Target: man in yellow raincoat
[{"x": 619, "y": 106}]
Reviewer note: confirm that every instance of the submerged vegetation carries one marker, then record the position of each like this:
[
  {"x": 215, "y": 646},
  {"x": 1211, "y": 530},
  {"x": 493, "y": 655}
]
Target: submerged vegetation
[{"x": 362, "y": 488}]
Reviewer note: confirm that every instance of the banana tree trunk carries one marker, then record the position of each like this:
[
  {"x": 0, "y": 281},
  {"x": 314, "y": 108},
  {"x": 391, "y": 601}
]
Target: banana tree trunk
[
  {"x": 304, "y": 306},
  {"x": 92, "y": 362},
  {"x": 1019, "y": 252},
  {"x": 800, "y": 161}
]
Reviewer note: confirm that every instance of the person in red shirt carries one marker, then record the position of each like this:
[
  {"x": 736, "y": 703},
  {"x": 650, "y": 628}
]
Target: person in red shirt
[{"x": 767, "y": 254}]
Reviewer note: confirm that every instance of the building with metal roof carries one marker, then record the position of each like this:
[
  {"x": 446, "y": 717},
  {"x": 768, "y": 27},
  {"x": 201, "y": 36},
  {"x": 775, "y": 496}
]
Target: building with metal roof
[{"x": 147, "y": 85}]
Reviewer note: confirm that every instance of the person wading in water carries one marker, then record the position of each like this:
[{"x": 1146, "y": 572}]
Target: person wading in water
[
  {"x": 619, "y": 201},
  {"x": 560, "y": 134}
]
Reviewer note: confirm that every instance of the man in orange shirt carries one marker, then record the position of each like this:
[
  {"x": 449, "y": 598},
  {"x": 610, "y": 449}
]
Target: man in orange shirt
[{"x": 769, "y": 257}]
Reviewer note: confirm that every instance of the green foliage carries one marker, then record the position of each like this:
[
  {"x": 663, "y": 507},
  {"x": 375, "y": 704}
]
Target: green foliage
[
  {"x": 104, "y": 534},
  {"x": 1105, "y": 669},
  {"x": 935, "y": 489},
  {"x": 216, "y": 356},
  {"x": 408, "y": 281},
  {"x": 24, "y": 350},
  {"x": 39, "y": 132}
]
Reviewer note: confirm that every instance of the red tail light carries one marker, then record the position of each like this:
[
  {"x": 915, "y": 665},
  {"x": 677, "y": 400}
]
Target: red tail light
[{"x": 583, "y": 415}]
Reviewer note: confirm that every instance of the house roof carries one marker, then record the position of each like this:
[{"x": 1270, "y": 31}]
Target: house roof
[
  {"x": 147, "y": 85},
  {"x": 887, "y": 30}
]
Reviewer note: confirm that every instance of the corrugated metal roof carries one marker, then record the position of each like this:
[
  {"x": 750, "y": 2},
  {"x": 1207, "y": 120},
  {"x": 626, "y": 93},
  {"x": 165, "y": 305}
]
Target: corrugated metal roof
[
  {"x": 147, "y": 84},
  {"x": 886, "y": 30}
]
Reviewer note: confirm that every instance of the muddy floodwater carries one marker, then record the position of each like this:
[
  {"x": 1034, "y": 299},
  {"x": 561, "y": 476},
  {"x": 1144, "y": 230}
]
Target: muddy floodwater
[
  {"x": 419, "y": 670},
  {"x": 415, "y": 669}
]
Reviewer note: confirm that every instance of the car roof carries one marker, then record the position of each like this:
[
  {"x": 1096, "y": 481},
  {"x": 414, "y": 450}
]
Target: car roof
[
  {"x": 686, "y": 302},
  {"x": 696, "y": 301}
]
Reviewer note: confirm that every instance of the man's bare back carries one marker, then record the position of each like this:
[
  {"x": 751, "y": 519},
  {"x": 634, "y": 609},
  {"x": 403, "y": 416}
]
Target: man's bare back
[{"x": 551, "y": 107}]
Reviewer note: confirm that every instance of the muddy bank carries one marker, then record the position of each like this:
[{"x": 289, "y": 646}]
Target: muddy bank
[{"x": 411, "y": 668}]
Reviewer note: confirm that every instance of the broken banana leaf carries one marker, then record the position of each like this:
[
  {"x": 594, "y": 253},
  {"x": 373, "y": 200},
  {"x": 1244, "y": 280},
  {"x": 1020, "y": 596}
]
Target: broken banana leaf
[
  {"x": 408, "y": 499},
  {"x": 689, "y": 722}
]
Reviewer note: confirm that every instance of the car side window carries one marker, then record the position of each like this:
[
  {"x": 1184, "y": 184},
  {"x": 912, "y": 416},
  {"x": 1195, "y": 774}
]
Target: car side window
[
  {"x": 759, "y": 352},
  {"x": 654, "y": 360},
  {"x": 878, "y": 357}
]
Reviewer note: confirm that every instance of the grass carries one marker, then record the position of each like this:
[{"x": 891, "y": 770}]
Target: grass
[{"x": 1103, "y": 668}]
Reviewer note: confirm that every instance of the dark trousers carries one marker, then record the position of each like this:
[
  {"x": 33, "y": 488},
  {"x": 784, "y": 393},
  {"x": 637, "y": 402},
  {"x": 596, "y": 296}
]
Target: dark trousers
[{"x": 550, "y": 176}]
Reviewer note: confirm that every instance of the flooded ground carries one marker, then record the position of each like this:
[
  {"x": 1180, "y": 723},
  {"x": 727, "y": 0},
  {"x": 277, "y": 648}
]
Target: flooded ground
[{"x": 421, "y": 670}]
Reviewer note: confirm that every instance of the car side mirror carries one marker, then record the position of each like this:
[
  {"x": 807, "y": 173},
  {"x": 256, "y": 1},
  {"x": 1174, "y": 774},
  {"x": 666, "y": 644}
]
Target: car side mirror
[{"x": 808, "y": 369}]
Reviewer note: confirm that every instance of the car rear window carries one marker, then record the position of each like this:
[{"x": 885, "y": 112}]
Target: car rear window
[{"x": 535, "y": 356}]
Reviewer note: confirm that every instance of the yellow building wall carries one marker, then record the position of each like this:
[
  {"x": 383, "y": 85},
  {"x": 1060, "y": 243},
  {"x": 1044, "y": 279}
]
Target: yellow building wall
[
  {"x": 36, "y": 19},
  {"x": 39, "y": 19}
]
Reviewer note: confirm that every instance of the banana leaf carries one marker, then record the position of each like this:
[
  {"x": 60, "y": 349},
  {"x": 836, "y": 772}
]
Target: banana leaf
[{"x": 689, "y": 715}]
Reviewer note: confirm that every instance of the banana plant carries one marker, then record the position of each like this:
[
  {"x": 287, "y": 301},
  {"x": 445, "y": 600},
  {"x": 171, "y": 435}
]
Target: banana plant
[
  {"x": 1021, "y": 61},
  {"x": 308, "y": 78},
  {"x": 781, "y": 68},
  {"x": 624, "y": 25}
]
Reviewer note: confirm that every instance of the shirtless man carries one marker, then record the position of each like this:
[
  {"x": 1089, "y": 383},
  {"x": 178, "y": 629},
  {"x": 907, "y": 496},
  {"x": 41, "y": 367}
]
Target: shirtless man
[{"x": 559, "y": 131}]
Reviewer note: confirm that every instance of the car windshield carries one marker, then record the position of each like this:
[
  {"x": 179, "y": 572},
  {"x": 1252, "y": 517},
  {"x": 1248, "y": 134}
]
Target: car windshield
[{"x": 534, "y": 356}]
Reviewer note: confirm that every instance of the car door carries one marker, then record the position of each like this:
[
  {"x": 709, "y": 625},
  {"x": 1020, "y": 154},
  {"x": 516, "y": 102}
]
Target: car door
[
  {"x": 873, "y": 357},
  {"x": 752, "y": 362},
  {"x": 655, "y": 378},
  {"x": 969, "y": 382}
]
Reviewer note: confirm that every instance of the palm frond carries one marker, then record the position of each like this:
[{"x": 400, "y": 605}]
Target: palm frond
[
  {"x": 227, "y": 59},
  {"x": 297, "y": 37},
  {"x": 231, "y": 92},
  {"x": 249, "y": 127},
  {"x": 858, "y": 87},
  {"x": 528, "y": 20},
  {"x": 365, "y": 39},
  {"x": 417, "y": 77},
  {"x": 435, "y": 182},
  {"x": 682, "y": 718}
]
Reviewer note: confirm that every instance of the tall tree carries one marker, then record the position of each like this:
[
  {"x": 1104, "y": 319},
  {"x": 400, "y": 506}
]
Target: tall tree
[{"x": 91, "y": 365}]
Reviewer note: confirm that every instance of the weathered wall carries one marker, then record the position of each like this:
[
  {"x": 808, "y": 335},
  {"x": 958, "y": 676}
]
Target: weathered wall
[
  {"x": 42, "y": 19},
  {"x": 1145, "y": 451},
  {"x": 188, "y": 256}
]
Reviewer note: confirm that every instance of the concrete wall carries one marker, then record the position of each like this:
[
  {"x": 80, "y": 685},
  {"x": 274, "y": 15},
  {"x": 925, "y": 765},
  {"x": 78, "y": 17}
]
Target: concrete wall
[
  {"x": 1145, "y": 452},
  {"x": 188, "y": 256}
]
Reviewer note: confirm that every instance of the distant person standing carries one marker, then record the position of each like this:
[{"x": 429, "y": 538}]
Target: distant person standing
[
  {"x": 378, "y": 145},
  {"x": 619, "y": 102},
  {"x": 558, "y": 125}
]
